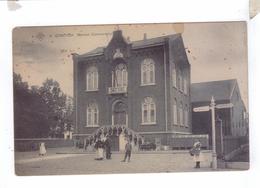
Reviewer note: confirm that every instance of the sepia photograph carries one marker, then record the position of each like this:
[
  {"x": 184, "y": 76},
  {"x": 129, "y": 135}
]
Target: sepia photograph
[{"x": 130, "y": 98}]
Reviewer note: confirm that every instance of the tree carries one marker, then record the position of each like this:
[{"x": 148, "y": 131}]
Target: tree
[
  {"x": 41, "y": 111},
  {"x": 30, "y": 120},
  {"x": 68, "y": 116},
  {"x": 55, "y": 100}
]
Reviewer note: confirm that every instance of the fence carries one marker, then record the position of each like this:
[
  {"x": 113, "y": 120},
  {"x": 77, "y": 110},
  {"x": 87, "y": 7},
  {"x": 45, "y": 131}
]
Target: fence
[{"x": 32, "y": 144}]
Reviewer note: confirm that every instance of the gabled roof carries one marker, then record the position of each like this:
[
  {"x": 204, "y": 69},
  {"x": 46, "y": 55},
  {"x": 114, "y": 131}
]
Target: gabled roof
[
  {"x": 96, "y": 51},
  {"x": 153, "y": 41},
  {"x": 221, "y": 90},
  {"x": 135, "y": 44}
]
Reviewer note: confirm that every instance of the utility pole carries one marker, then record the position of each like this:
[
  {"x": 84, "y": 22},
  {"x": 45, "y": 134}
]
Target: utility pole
[
  {"x": 212, "y": 107},
  {"x": 214, "y": 154}
]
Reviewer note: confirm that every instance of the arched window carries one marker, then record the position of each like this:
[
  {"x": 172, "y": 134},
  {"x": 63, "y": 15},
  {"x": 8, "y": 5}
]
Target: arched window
[
  {"x": 175, "y": 120},
  {"x": 174, "y": 76},
  {"x": 148, "y": 111},
  {"x": 92, "y": 79},
  {"x": 119, "y": 76},
  {"x": 147, "y": 72},
  {"x": 92, "y": 115}
]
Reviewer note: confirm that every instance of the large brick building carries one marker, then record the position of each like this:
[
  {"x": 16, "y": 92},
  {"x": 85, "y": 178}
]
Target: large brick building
[{"x": 142, "y": 87}]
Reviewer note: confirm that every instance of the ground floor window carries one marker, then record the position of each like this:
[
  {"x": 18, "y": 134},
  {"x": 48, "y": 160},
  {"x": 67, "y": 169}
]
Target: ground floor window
[
  {"x": 148, "y": 111},
  {"x": 92, "y": 115}
]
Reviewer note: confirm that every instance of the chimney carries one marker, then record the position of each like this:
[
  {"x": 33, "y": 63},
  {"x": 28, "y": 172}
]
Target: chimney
[{"x": 145, "y": 36}]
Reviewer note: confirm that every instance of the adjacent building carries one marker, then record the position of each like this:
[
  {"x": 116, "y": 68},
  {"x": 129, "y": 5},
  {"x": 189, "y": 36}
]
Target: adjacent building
[
  {"x": 234, "y": 118},
  {"x": 142, "y": 86}
]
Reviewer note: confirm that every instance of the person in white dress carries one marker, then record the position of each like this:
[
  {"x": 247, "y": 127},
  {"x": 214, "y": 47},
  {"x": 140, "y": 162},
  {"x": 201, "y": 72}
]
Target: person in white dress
[
  {"x": 42, "y": 150},
  {"x": 100, "y": 149},
  {"x": 197, "y": 153}
]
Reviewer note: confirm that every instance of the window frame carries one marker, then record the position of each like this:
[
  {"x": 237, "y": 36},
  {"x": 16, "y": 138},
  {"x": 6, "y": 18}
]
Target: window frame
[
  {"x": 174, "y": 76},
  {"x": 92, "y": 112},
  {"x": 186, "y": 116},
  {"x": 120, "y": 76},
  {"x": 92, "y": 77},
  {"x": 181, "y": 114},
  {"x": 148, "y": 69},
  {"x": 148, "y": 105},
  {"x": 175, "y": 112}
]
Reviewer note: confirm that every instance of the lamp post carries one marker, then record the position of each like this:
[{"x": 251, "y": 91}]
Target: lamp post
[{"x": 214, "y": 154}]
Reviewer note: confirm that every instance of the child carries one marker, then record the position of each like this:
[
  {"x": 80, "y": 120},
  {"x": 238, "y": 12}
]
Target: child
[
  {"x": 42, "y": 150},
  {"x": 196, "y": 153},
  {"x": 128, "y": 150}
]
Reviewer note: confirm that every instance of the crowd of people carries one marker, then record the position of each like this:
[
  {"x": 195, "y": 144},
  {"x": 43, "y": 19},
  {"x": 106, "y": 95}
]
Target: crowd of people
[{"x": 102, "y": 144}]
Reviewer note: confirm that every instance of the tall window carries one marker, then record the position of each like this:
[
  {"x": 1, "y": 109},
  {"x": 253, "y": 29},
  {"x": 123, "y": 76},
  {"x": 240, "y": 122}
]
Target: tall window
[
  {"x": 174, "y": 76},
  {"x": 186, "y": 116},
  {"x": 119, "y": 76},
  {"x": 92, "y": 115},
  {"x": 147, "y": 72},
  {"x": 148, "y": 111},
  {"x": 185, "y": 83},
  {"x": 181, "y": 113},
  {"x": 92, "y": 79},
  {"x": 175, "y": 121},
  {"x": 181, "y": 81}
]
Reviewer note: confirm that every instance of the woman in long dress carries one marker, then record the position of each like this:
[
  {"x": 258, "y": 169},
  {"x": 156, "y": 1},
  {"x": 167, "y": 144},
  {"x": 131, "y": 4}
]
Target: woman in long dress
[{"x": 100, "y": 149}]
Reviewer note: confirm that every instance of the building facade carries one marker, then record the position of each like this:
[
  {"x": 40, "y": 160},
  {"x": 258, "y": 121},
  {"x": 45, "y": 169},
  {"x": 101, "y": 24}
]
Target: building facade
[
  {"x": 141, "y": 86},
  {"x": 234, "y": 119}
]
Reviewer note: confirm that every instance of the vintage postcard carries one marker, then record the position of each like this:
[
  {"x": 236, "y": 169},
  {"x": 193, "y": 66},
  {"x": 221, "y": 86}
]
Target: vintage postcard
[{"x": 130, "y": 98}]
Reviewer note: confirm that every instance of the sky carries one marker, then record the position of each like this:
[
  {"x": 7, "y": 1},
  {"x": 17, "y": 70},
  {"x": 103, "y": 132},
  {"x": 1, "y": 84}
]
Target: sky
[{"x": 216, "y": 51}]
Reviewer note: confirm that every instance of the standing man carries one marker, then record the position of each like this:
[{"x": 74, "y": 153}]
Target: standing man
[
  {"x": 108, "y": 147},
  {"x": 128, "y": 150},
  {"x": 140, "y": 142}
]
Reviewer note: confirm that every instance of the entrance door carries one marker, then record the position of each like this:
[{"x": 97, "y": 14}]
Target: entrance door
[
  {"x": 119, "y": 114},
  {"x": 120, "y": 118}
]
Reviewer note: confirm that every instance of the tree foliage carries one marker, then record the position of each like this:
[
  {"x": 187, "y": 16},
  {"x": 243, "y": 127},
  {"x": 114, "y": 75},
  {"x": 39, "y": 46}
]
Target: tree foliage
[{"x": 40, "y": 111}]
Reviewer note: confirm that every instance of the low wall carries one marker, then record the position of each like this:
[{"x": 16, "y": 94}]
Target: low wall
[
  {"x": 33, "y": 144},
  {"x": 173, "y": 141},
  {"x": 187, "y": 141},
  {"x": 232, "y": 143}
]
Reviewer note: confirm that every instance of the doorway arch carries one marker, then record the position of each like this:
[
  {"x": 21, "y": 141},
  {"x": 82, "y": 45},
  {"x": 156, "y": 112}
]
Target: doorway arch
[{"x": 119, "y": 113}]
